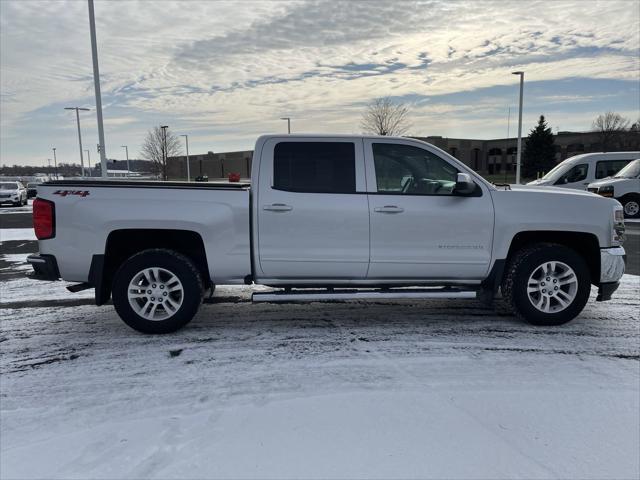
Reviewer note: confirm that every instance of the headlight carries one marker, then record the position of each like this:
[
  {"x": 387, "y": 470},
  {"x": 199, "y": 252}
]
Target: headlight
[
  {"x": 606, "y": 191},
  {"x": 617, "y": 235}
]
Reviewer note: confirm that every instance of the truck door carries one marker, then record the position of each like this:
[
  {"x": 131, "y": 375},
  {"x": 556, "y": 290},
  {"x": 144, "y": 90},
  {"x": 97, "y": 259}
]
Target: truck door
[
  {"x": 313, "y": 215},
  {"x": 420, "y": 228}
]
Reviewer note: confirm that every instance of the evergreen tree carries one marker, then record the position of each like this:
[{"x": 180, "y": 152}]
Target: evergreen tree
[{"x": 539, "y": 151}]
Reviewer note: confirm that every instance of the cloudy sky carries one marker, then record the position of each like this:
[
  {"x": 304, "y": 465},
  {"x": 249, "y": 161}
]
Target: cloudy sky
[{"x": 225, "y": 72}]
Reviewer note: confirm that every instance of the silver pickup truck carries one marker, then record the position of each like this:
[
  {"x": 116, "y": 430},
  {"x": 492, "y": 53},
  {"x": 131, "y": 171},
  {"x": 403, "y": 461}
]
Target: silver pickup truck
[{"x": 330, "y": 218}]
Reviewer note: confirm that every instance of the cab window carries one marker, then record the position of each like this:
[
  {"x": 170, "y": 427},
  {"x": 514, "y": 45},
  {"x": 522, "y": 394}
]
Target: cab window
[
  {"x": 315, "y": 167},
  {"x": 575, "y": 174},
  {"x": 409, "y": 170}
]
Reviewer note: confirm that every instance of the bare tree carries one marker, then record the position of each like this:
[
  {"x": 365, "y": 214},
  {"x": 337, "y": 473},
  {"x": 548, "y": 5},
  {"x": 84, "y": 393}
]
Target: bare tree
[
  {"x": 383, "y": 117},
  {"x": 153, "y": 149},
  {"x": 610, "y": 126}
]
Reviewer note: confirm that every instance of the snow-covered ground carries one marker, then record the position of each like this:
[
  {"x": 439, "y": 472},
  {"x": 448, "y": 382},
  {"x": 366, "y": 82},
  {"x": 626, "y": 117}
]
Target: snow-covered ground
[
  {"x": 406, "y": 389},
  {"x": 11, "y": 234},
  {"x": 28, "y": 208}
]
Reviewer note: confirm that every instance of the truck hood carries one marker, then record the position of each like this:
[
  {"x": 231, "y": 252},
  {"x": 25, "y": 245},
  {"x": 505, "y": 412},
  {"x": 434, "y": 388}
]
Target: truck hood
[
  {"x": 540, "y": 181},
  {"x": 545, "y": 190},
  {"x": 609, "y": 181}
]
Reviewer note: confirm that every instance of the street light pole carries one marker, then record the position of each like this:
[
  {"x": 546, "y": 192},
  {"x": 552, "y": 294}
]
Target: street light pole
[
  {"x": 89, "y": 163},
  {"x": 288, "y": 119},
  {"x": 164, "y": 151},
  {"x": 96, "y": 83},
  {"x": 55, "y": 163},
  {"x": 77, "y": 109},
  {"x": 126, "y": 148},
  {"x": 519, "y": 155},
  {"x": 186, "y": 140}
]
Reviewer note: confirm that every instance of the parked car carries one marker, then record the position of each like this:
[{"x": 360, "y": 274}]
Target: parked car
[
  {"x": 32, "y": 189},
  {"x": 330, "y": 218},
  {"x": 624, "y": 186},
  {"x": 13, "y": 192},
  {"x": 579, "y": 171}
]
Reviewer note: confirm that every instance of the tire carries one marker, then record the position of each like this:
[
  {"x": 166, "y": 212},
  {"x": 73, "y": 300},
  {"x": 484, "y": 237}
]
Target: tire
[
  {"x": 527, "y": 271},
  {"x": 180, "y": 300},
  {"x": 631, "y": 205}
]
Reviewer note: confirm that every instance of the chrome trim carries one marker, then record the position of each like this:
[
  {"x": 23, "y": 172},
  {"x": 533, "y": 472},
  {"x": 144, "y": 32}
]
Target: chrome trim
[
  {"x": 369, "y": 282},
  {"x": 388, "y": 295},
  {"x": 612, "y": 264},
  {"x": 35, "y": 260}
]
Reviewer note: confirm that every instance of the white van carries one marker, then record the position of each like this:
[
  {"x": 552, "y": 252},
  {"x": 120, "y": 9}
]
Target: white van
[
  {"x": 624, "y": 186},
  {"x": 579, "y": 171}
]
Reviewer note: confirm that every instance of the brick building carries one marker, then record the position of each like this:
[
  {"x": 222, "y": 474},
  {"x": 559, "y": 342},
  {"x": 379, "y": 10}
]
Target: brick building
[
  {"x": 499, "y": 155},
  {"x": 485, "y": 156},
  {"x": 213, "y": 165}
]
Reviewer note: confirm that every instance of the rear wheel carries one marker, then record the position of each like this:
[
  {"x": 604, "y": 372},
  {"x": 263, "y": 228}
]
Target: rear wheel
[
  {"x": 547, "y": 284},
  {"x": 157, "y": 291}
]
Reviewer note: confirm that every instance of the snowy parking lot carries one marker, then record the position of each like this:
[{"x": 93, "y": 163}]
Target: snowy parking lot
[{"x": 438, "y": 389}]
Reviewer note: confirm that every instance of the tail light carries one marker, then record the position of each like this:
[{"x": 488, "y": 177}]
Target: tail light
[{"x": 44, "y": 219}]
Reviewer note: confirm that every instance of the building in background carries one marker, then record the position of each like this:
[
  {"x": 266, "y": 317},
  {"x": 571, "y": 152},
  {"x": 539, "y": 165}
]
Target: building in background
[
  {"x": 488, "y": 157},
  {"x": 212, "y": 165},
  {"x": 499, "y": 155}
]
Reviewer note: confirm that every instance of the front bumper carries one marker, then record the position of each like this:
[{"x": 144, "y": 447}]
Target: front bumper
[
  {"x": 612, "y": 263},
  {"x": 45, "y": 267}
]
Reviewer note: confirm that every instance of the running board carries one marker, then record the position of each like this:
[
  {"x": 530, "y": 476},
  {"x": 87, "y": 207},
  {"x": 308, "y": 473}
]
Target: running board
[{"x": 332, "y": 295}]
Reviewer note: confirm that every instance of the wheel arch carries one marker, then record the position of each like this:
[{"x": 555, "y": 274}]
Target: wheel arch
[
  {"x": 584, "y": 243},
  {"x": 123, "y": 243}
]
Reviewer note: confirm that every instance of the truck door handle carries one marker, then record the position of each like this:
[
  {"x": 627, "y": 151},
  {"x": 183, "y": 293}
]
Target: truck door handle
[
  {"x": 389, "y": 209},
  {"x": 278, "y": 207}
]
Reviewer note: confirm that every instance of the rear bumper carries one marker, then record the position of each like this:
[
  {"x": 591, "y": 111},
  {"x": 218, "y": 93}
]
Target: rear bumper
[
  {"x": 45, "y": 267},
  {"x": 612, "y": 264}
]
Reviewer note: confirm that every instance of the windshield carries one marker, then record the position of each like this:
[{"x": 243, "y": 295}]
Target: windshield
[
  {"x": 632, "y": 170},
  {"x": 551, "y": 173},
  {"x": 8, "y": 186}
]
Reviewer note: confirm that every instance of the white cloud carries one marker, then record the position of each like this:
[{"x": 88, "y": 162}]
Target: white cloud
[{"x": 229, "y": 68}]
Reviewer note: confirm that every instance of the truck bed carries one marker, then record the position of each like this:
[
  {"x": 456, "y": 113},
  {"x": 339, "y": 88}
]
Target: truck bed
[{"x": 90, "y": 213}]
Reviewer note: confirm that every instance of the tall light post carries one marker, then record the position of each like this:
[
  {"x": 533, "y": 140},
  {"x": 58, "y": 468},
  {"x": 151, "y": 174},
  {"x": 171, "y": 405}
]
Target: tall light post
[
  {"x": 49, "y": 160},
  {"x": 126, "y": 149},
  {"x": 164, "y": 150},
  {"x": 186, "y": 140},
  {"x": 55, "y": 162},
  {"x": 96, "y": 84},
  {"x": 519, "y": 153},
  {"x": 77, "y": 109},
  {"x": 288, "y": 119},
  {"x": 89, "y": 163}
]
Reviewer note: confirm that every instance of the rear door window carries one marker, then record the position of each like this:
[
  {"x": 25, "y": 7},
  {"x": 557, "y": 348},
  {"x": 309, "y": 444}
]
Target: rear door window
[
  {"x": 315, "y": 167},
  {"x": 608, "y": 168}
]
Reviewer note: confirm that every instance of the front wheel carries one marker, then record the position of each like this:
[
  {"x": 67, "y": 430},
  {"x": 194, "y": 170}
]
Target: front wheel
[
  {"x": 157, "y": 291},
  {"x": 631, "y": 205},
  {"x": 547, "y": 284}
]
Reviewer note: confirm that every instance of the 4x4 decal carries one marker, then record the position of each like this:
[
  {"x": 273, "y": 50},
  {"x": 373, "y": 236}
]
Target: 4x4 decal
[{"x": 64, "y": 193}]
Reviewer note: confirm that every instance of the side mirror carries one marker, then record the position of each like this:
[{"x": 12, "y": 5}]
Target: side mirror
[{"x": 464, "y": 184}]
